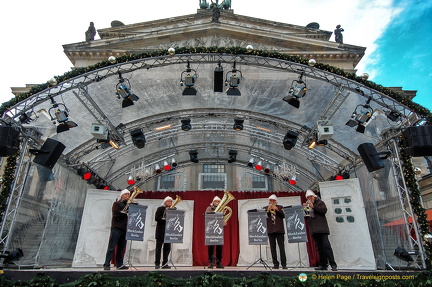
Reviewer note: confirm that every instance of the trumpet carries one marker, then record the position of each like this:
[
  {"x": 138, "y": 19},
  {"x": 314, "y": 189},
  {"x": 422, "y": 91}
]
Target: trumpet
[
  {"x": 222, "y": 206},
  {"x": 131, "y": 199}
]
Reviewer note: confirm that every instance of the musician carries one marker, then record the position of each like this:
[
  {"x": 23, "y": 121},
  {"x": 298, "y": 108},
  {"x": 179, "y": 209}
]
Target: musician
[
  {"x": 276, "y": 231},
  {"x": 211, "y": 248},
  {"x": 160, "y": 217},
  {"x": 118, "y": 232},
  {"x": 319, "y": 230}
]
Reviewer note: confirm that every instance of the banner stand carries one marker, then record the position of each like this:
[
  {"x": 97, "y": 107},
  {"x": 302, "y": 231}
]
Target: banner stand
[
  {"x": 129, "y": 262},
  {"x": 135, "y": 227},
  {"x": 260, "y": 260},
  {"x": 170, "y": 259},
  {"x": 174, "y": 229},
  {"x": 300, "y": 263}
]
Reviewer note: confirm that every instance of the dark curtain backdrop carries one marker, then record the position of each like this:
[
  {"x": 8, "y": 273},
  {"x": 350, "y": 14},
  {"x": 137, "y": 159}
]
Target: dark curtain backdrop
[{"x": 231, "y": 248}]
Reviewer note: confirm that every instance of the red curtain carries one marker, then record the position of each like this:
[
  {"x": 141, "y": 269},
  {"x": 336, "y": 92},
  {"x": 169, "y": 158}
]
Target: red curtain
[{"x": 231, "y": 247}]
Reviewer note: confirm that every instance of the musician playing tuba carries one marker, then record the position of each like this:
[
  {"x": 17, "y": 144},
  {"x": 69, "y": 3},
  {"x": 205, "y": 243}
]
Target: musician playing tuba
[
  {"x": 160, "y": 217},
  {"x": 215, "y": 260}
]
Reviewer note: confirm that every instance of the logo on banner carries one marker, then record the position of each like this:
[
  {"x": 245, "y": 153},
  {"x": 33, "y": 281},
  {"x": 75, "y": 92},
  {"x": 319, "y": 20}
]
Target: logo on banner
[
  {"x": 174, "y": 226},
  {"x": 174, "y": 223},
  {"x": 257, "y": 225},
  {"x": 294, "y": 222},
  {"x": 296, "y": 228},
  {"x": 136, "y": 222},
  {"x": 213, "y": 226}
]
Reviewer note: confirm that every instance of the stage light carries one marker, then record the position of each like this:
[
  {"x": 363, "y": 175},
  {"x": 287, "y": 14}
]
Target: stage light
[
  {"x": 59, "y": 112},
  {"x": 187, "y": 78},
  {"x": 123, "y": 90},
  {"x": 297, "y": 91},
  {"x": 232, "y": 156},
  {"x": 258, "y": 166},
  {"x": 267, "y": 169},
  {"x": 338, "y": 177},
  {"x": 250, "y": 163},
  {"x": 11, "y": 256},
  {"x": 166, "y": 166},
  {"x": 113, "y": 143},
  {"x": 161, "y": 128},
  {"x": 290, "y": 140},
  {"x": 106, "y": 187},
  {"x": 87, "y": 175},
  {"x": 238, "y": 124},
  {"x": 138, "y": 138},
  {"x": 174, "y": 164},
  {"x": 186, "y": 124},
  {"x": 324, "y": 130},
  {"x": 402, "y": 254},
  {"x": 25, "y": 118},
  {"x": 293, "y": 180},
  {"x": 361, "y": 116},
  {"x": 130, "y": 180},
  {"x": 393, "y": 116},
  {"x": 232, "y": 79},
  {"x": 312, "y": 144},
  {"x": 193, "y": 156},
  {"x": 157, "y": 169}
]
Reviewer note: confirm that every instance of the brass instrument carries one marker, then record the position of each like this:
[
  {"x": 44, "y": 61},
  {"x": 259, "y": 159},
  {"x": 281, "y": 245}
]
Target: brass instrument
[
  {"x": 272, "y": 208},
  {"x": 176, "y": 201},
  {"x": 131, "y": 199},
  {"x": 223, "y": 208}
]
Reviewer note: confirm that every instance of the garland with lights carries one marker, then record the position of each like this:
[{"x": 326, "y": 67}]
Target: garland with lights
[
  {"x": 7, "y": 179},
  {"x": 415, "y": 200}
]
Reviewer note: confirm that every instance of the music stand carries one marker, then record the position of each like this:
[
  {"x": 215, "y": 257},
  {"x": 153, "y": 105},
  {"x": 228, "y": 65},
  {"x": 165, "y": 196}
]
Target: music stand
[
  {"x": 300, "y": 263},
  {"x": 170, "y": 259},
  {"x": 129, "y": 261},
  {"x": 260, "y": 260}
]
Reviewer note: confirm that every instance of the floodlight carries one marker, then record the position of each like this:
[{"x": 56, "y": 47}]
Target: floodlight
[
  {"x": 297, "y": 91},
  {"x": 123, "y": 90},
  {"x": 290, "y": 140},
  {"x": 188, "y": 78},
  {"x": 186, "y": 124},
  {"x": 250, "y": 162},
  {"x": 193, "y": 156},
  {"x": 232, "y": 156},
  {"x": 138, "y": 138},
  {"x": 361, "y": 116},
  {"x": 238, "y": 124},
  {"x": 232, "y": 79},
  {"x": 59, "y": 113}
]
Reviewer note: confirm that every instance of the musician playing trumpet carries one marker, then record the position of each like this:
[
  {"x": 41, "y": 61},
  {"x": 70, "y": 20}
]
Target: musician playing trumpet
[
  {"x": 276, "y": 231},
  {"x": 160, "y": 217},
  {"x": 118, "y": 232}
]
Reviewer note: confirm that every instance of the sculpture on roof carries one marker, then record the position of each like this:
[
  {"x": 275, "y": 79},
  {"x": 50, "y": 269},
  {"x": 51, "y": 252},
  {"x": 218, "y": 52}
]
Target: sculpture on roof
[
  {"x": 203, "y": 4},
  {"x": 90, "y": 33},
  {"x": 225, "y": 4},
  {"x": 216, "y": 14},
  {"x": 338, "y": 34}
]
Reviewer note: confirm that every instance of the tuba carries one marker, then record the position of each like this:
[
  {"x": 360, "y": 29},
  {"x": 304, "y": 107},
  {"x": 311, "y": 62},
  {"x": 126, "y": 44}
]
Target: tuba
[
  {"x": 131, "y": 199},
  {"x": 176, "y": 201},
  {"x": 226, "y": 210}
]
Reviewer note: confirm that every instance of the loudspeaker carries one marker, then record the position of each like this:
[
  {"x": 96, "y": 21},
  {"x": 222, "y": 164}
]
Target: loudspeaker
[
  {"x": 218, "y": 80},
  {"x": 9, "y": 141},
  {"x": 370, "y": 157},
  {"x": 49, "y": 153},
  {"x": 419, "y": 140}
]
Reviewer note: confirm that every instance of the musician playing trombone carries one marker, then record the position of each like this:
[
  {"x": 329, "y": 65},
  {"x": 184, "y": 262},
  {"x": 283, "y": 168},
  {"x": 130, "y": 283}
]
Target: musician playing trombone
[
  {"x": 160, "y": 217},
  {"x": 216, "y": 201},
  {"x": 276, "y": 231},
  {"x": 118, "y": 232}
]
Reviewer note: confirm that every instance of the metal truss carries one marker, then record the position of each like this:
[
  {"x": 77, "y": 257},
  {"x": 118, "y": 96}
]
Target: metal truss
[
  {"x": 414, "y": 243},
  {"x": 242, "y": 59}
]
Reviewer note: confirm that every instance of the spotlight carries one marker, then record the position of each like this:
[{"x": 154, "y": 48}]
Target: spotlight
[
  {"x": 193, "y": 156},
  {"x": 393, "y": 116},
  {"x": 166, "y": 166},
  {"x": 312, "y": 144},
  {"x": 188, "y": 79},
  {"x": 124, "y": 91},
  {"x": 186, "y": 124},
  {"x": 12, "y": 256},
  {"x": 59, "y": 112},
  {"x": 324, "y": 130},
  {"x": 297, "y": 91},
  {"x": 233, "y": 81},
  {"x": 238, "y": 124},
  {"x": 138, "y": 138},
  {"x": 174, "y": 164},
  {"x": 157, "y": 169},
  {"x": 267, "y": 169},
  {"x": 290, "y": 140},
  {"x": 293, "y": 180},
  {"x": 25, "y": 118},
  {"x": 361, "y": 116},
  {"x": 232, "y": 156},
  {"x": 258, "y": 166},
  {"x": 130, "y": 180},
  {"x": 250, "y": 163}
]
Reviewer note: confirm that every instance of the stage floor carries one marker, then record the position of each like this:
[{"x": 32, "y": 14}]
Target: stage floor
[{"x": 64, "y": 275}]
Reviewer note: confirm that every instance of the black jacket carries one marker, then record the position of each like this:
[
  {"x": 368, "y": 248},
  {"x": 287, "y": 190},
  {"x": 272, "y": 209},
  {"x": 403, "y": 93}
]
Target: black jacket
[
  {"x": 119, "y": 220},
  {"x": 160, "y": 226},
  {"x": 318, "y": 222}
]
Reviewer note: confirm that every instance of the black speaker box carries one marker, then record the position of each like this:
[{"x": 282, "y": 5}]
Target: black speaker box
[
  {"x": 9, "y": 141},
  {"x": 218, "y": 80},
  {"x": 419, "y": 140},
  {"x": 370, "y": 157},
  {"x": 49, "y": 153}
]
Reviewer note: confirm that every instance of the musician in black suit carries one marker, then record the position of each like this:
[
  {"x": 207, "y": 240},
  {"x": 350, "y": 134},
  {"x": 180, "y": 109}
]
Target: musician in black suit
[{"x": 160, "y": 217}]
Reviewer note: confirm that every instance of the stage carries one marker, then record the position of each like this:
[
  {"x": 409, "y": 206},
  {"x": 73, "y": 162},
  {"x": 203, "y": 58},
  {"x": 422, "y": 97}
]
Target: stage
[{"x": 67, "y": 275}]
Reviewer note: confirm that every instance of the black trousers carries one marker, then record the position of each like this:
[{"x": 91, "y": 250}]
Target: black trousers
[
  {"x": 211, "y": 249},
  {"x": 325, "y": 250},
  {"x": 166, "y": 251},
  {"x": 117, "y": 238},
  {"x": 280, "y": 239}
]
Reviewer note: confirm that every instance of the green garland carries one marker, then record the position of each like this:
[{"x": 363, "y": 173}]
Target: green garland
[
  {"x": 210, "y": 279},
  {"x": 422, "y": 111},
  {"x": 8, "y": 178}
]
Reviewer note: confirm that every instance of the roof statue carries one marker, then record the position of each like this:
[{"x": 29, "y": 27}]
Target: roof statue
[
  {"x": 216, "y": 14},
  {"x": 90, "y": 33},
  {"x": 225, "y": 4},
  {"x": 338, "y": 34}
]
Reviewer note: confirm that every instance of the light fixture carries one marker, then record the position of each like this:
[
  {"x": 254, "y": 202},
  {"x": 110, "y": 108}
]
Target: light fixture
[
  {"x": 123, "y": 90},
  {"x": 161, "y": 128},
  {"x": 130, "y": 180},
  {"x": 324, "y": 130},
  {"x": 293, "y": 180},
  {"x": 267, "y": 169},
  {"x": 393, "y": 116},
  {"x": 238, "y": 124},
  {"x": 259, "y": 166},
  {"x": 138, "y": 138},
  {"x": 187, "y": 78},
  {"x": 312, "y": 144},
  {"x": 157, "y": 169},
  {"x": 341, "y": 176},
  {"x": 290, "y": 140},
  {"x": 113, "y": 143},
  {"x": 402, "y": 254},
  {"x": 361, "y": 116},
  {"x": 11, "y": 256},
  {"x": 174, "y": 164},
  {"x": 193, "y": 156},
  {"x": 186, "y": 124},
  {"x": 250, "y": 163},
  {"x": 218, "y": 78},
  {"x": 166, "y": 166},
  {"x": 297, "y": 91},
  {"x": 233, "y": 80},
  {"x": 232, "y": 156},
  {"x": 59, "y": 112}
]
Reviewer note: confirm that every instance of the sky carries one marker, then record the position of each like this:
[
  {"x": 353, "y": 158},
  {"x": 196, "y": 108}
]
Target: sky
[{"x": 396, "y": 33}]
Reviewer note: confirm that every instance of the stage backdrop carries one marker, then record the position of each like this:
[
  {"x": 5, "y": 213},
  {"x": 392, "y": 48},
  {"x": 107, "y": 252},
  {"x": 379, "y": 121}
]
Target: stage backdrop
[
  {"x": 349, "y": 232},
  {"x": 95, "y": 230}
]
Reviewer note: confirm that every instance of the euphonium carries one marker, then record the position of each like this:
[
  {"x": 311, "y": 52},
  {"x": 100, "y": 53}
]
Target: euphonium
[
  {"x": 131, "y": 199},
  {"x": 222, "y": 206},
  {"x": 176, "y": 201}
]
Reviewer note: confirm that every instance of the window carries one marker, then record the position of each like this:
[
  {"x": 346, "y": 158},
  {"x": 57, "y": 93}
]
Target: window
[
  {"x": 166, "y": 182},
  {"x": 259, "y": 181},
  {"x": 342, "y": 207},
  {"x": 213, "y": 177}
]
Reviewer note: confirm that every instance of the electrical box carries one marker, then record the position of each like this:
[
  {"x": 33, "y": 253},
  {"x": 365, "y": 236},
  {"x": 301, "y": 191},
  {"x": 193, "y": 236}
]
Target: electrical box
[
  {"x": 325, "y": 130},
  {"x": 99, "y": 131}
]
